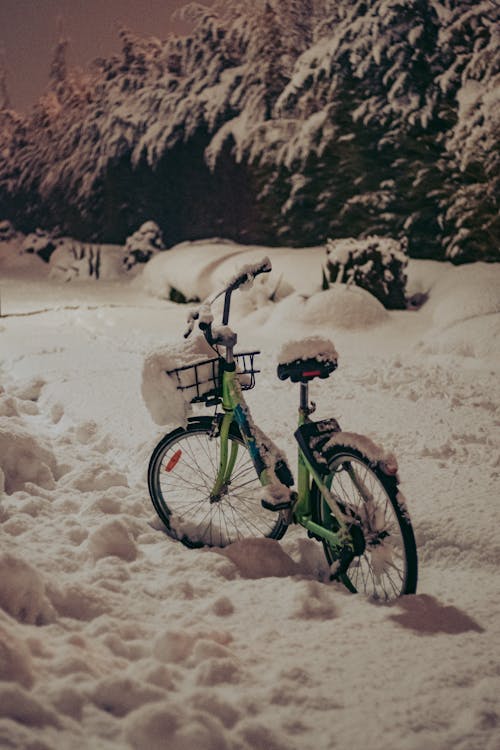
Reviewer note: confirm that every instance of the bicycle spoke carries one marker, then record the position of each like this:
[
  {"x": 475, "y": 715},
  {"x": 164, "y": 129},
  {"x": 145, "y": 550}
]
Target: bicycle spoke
[
  {"x": 379, "y": 567},
  {"x": 183, "y": 494}
]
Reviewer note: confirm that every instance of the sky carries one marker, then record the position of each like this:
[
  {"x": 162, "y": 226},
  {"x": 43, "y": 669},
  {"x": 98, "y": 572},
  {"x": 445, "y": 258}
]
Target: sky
[{"x": 28, "y": 33}]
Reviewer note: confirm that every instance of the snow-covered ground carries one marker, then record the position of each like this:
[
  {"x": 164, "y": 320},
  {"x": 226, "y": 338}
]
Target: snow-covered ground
[{"x": 114, "y": 636}]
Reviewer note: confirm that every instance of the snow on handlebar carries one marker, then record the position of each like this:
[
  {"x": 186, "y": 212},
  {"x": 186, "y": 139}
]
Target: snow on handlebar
[
  {"x": 246, "y": 275},
  {"x": 243, "y": 280},
  {"x": 202, "y": 314}
]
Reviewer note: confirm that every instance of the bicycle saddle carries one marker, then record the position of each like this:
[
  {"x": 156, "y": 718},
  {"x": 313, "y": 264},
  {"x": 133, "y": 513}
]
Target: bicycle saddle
[{"x": 304, "y": 370}]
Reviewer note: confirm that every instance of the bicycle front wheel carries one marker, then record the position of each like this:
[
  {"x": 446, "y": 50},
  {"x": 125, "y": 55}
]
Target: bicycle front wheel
[
  {"x": 181, "y": 476},
  {"x": 383, "y": 565}
]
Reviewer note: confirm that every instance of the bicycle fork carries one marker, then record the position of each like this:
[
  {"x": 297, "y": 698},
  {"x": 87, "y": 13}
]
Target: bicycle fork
[{"x": 227, "y": 459}]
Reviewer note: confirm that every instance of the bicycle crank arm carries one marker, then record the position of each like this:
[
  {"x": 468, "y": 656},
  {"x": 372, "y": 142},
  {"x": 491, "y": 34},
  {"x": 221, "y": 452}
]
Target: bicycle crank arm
[{"x": 338, "y": 540}]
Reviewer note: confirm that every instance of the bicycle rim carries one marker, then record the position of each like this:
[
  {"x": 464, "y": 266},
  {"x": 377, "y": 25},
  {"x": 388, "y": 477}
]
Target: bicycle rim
[{"x": 384, "y": 565}]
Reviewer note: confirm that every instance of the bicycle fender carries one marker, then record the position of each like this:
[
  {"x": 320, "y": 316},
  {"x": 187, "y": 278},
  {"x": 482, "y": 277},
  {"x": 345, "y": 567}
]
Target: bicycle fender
[
  {"x": 312, "y": 436},
  {"x": 377, "y": 455}
]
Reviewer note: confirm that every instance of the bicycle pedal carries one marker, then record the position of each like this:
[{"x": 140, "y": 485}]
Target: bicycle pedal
[
  {"x": 312, "y": 535},
  {"x": 276, "y": 506}
]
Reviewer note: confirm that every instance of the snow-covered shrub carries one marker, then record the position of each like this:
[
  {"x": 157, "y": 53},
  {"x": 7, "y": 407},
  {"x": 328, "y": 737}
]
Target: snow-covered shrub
[
  {"x": 39, "y": 243},
  {"x": 7, "y": 231},
  {"x": 140, "y": 246},
  {"x": 376, "y": 264}
]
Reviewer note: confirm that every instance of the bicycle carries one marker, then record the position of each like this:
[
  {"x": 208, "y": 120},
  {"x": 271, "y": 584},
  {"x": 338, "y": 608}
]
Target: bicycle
[{"x": 220, "y": 478}]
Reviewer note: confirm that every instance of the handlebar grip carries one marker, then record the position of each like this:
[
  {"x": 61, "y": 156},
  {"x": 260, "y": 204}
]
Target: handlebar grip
[
  {"x": 249, "y": 273},
  {"x": 264, "y": 267}
]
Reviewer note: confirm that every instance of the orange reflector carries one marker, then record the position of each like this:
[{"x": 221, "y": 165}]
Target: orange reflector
[{"x": 174, "y": 460}]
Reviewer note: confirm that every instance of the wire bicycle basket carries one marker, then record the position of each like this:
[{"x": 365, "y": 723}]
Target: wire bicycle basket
[{"x": 204, "y": 378}]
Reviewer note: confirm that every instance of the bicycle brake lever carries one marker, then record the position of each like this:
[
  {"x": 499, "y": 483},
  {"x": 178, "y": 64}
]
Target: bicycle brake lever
[{"x": 193, "y": 315}]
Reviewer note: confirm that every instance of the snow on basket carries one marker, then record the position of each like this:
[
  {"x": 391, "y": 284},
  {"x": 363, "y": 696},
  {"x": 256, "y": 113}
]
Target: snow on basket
[{"x": 175, "y": 377}]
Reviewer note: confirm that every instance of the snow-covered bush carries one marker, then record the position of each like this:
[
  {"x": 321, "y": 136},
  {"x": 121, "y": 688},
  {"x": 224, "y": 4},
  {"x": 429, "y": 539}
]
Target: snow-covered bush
[
  {"x": 7, "y": 231},
  {"x": 143, "y": 244},
  {"x": 376, "y": 264},
  {"x": 39, "y": 243}
]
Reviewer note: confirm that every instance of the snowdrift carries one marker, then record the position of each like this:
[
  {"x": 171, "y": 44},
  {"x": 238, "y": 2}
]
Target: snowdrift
[{"x": 114, "y": 636}]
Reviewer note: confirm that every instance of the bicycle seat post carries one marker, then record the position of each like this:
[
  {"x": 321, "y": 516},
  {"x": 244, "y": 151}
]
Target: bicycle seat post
[
  {"x": 305, "y": 408},
  {"x": 229, "y": 354},
  {"x": 304, "y": 398}
]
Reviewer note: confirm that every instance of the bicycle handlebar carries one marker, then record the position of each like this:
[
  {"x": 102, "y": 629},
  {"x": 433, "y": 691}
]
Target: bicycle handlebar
[
  {"x": 248, "y": 273},
  {"x": 244, "y": 278}
]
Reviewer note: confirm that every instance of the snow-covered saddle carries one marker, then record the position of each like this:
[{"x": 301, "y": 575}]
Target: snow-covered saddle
[{"x": 309, "y": 358}]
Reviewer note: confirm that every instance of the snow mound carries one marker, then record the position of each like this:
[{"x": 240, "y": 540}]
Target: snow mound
[
  {"x": 25, "y": 709},
  {"x": 113, "y": 538},
  {"x": 22, "y": 591},
  {"x": 468, "y": 292},
  {"x": 198, "y": 269},
  {"x": 16, "y": 664},
  {"x": 465, "y": 305},
  {"x": 13, "y": 262},
  {"x": 29, "y": 390},
  {"x": 121, "y": 695},
  {"x": 341, "y": 306},
  {"x": 73, "y": 260},
  {"x": 168, "y": 271},
  {"x": 165, "y": 402},
  {"x": 150, "y": 725},
  {"x": 345, "y": 306},
  {"x": 260, "y": 558},
  {"x": 476, "y": 338},
  {"x": 79, "y": 601},
  {"x": 24, "y": 458}
]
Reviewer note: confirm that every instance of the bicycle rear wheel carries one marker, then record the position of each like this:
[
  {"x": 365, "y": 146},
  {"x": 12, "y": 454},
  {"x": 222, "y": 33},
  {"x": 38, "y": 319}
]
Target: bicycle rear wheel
[
  {"x": 181, "y": 475},
  {"x": 384, "y": 562}
]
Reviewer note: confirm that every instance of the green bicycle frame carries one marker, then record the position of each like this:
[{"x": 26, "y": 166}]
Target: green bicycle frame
[
  {"x": 340, "y": 539},
  {"x": 236, "y": 409}
]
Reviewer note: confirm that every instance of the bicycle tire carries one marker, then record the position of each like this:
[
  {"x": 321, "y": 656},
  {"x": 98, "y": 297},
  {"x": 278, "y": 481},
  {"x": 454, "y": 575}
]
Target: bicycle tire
[
  {"x": 181, "y": 473},
  {"x": 384, "y": 565}
]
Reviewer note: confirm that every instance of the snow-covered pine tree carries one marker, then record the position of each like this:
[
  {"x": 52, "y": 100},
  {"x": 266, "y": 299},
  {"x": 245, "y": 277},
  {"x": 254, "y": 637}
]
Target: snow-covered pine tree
[
  {"x": 470, "y": 43},
  {"x": 12, "y": 138},
  {"x": 58, "y": 68},
  {"x": 317, "y": 118},
  {"x": 362, "y": 90}
]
